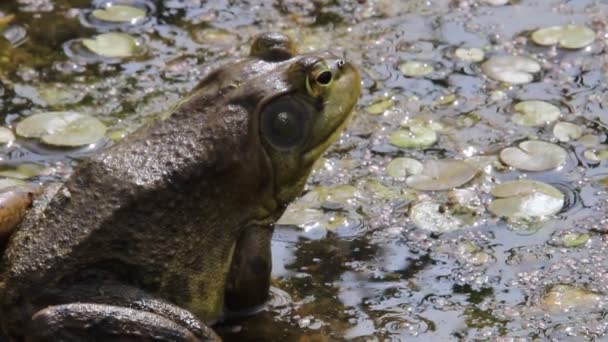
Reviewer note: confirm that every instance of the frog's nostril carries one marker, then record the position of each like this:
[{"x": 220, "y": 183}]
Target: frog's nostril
[{"x": 340, "y": 64}]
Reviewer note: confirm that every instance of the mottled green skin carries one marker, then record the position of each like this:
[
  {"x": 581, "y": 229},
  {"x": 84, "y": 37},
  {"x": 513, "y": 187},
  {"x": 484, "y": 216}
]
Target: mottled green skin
[{"x": 162, "y": 211}]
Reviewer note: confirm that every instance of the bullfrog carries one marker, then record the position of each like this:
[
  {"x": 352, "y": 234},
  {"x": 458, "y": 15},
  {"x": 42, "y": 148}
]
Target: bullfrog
[{"x": 158, "y": 235}]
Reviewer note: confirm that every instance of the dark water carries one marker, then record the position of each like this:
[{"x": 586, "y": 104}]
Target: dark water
[{"x": 359, "y": 268}]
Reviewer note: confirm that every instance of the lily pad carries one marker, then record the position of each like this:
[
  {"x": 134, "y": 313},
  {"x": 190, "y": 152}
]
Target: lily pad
[
  {"x": 403, "y": 167},
  {"x": 6, "y": 135},
  {"x": 380, "y": 106},
  {"x": 525, "y": 199},
  {"x": 535, "y": 113},
  {"x": 568, "y": 36},
  {"x": 429, "y": 215},
  {"x": 9, "y": 182},
  {"x": 62, "y": 128},
  {"x": 415, "y": 68},
  {"x": 566, "y": 131},
  {"x": 470, "y": 54},
  {"x": 23, "y": 171},
  {"x": 564, "y": 297},
  {"x": 112, "y": 45},
  {"x": 442, "y": 175},
  {"x": 511, "y": 69},
  {"x": 119, "y": 13},
  {"x": 534, "y": 155},
  {"x": 417, "y": 136}
]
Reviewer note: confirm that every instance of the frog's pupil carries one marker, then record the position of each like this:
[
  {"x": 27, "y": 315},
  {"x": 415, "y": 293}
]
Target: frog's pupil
[
  {"x": 284, "y": 122},
  {"x": 324, "y": 78}
]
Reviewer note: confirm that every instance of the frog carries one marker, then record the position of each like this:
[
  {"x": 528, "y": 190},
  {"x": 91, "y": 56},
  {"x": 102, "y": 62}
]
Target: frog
[{"x": 158, "y": 236}]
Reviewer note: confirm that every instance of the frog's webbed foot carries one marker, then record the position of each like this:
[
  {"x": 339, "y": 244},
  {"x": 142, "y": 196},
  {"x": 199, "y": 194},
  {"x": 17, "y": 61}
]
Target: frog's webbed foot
[
  {"x": 99, "y": 322},
  {"x": 115, "y": 312}
]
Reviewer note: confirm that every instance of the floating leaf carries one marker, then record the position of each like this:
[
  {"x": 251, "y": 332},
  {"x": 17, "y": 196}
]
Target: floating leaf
[
  {"x": 403, "y": 167},
  {"x": 380, "y": 106},
  {"x": 525, "y": 199},
  {"x": 535, "y": 113},
  {"x": 119, "y": 13},
  {"x": 442, "y": 175},
  {"x": 430, "y": 215},
  {"x": 568, "y": 36},
  {"x": 575, "y": 239},
  {"x": 23, "y": 171},
  {"x": 415, "y": 68},
  {"x": 470, "y": 55},
  {"x": 62, "y": 128},
  {"x": 9, "y": 182},
  {"x": 215, "y": 37},
  {"x": 511, "y": 69},
  {"x": 6, "y": 135},
  {"x": 417, "y": 136},
  {"x": 112, "y": 45},
  {"x": 534, "y": 155},
  {"x": 563, "y": 297},
  {"x": 566, "y": 131}
]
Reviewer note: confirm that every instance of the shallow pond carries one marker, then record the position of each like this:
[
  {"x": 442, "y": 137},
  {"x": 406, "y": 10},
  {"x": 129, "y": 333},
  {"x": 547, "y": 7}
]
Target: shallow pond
[{"x": 404, "y": 232}]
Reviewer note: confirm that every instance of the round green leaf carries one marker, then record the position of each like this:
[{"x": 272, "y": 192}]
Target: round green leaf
[
  {"x": 414, "y": 137},
  {"x": 534, "y": 155},
  {"x": 511, "y": 69},
  {"x": 442, "y": 175},
  {"x": 6, "y": 135},
  {"x": 568, "y": 36},
  {"x": 535, "y": 113},
  {"x": 112, "y": 45},
  {"x": 62, "y": 128},
  {"x": 525, "y": 199},
  {"x": 403, "y": 167},
  {"x": 119, "y": 13},
  {"x": 415, "y": 68}
]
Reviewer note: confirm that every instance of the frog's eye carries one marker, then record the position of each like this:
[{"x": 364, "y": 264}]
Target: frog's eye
[
  {"x": 320, "y": 77},
  {"x": 285, "y": 122}
]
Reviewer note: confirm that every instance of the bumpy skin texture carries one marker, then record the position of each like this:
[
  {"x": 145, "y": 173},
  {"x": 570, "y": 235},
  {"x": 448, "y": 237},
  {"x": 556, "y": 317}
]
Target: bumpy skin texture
[{"x": 147, "y": 230}]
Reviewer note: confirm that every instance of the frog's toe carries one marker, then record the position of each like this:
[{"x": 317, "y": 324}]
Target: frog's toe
[
  {"x": 14, "y": 202},
  {"x": 99, "y": 322}
]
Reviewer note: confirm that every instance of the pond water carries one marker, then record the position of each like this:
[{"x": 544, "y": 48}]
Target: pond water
[{"x": 402, "y": 233}]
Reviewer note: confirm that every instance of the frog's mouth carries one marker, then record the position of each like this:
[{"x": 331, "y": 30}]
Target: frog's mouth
[{"x": 337, "y": 108}]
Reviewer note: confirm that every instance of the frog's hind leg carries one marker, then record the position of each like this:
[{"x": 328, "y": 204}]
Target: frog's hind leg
[
  {"x": 99, "y": 322},
  {"x": 115, "y": 312}
]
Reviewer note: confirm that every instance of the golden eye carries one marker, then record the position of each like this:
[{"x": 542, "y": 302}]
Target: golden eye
[{"x": 319, "y": 77}]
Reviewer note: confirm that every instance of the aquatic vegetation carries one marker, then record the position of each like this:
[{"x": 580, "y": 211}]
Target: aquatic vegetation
[
  {"x": 535, "y": 113},
  {"x": 534, "y": 155},
  {"x": 442, "y": 175},
  {"x": 112, "y": 45},
  {"x": 511, "y": 69},
  {"x": 568, "y": 36},
  {"x": 119, "y": 13},
  {"x": 6, "y": 135},
  {"x": 525, "y": 199},
  {"x": 62, "y": 128}
]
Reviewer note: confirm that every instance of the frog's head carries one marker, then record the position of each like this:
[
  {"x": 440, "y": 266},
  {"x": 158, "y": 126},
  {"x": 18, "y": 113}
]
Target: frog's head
[{"x": 306, "y": 103}]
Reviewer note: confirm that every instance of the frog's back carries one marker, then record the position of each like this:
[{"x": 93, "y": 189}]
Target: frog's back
[{"x": 146, "y": 211}]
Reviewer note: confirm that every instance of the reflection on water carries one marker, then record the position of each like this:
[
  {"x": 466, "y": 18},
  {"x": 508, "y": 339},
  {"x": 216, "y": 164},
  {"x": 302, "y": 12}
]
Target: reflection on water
[{"x": 349, "y": 262}]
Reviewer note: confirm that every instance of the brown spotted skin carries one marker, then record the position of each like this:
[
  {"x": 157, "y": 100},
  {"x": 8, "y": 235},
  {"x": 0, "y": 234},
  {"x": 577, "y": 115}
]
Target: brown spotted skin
[{"x": 147, "y": 230}]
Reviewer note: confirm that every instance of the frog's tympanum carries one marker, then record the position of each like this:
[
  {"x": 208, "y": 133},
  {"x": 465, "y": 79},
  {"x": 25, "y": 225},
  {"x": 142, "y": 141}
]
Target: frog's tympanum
[{"x": 159, "y": 234}]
